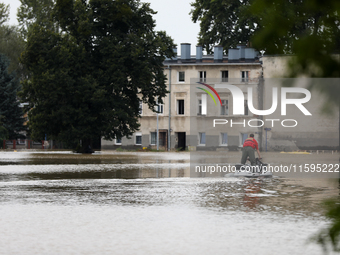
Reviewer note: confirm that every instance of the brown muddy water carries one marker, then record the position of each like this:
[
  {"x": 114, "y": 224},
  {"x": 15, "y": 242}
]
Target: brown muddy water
[{"x": 146, "y": 203}]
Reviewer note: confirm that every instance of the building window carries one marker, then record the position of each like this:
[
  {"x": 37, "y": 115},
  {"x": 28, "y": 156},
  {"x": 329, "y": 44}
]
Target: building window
[
  {"x": 118, "y": 141},
  {"x": 243, "y": 137},
  {"x": 202, "y": 105},
  {"x": 201, "y": 138},
  {"x": 203, "y": 76},
  {"x": 140, "y": 107},
  {"x": 224, "y": 138},
  {"x": 244, "y": 76},
  {"x": 160, "y": 108},
  {"x": 153, "y": 138},
  {"x": 246, "y": 110},
  {"x": 162, "y": 138},
  {"x": 181, "y": 76},
  {"x": 224, "y": 76},
  {"x": 180, "y": 107},
  {"x": 199, "y": 107},
  {"x": 224, "y": 107},
  {"x": 138, "y": 139}
]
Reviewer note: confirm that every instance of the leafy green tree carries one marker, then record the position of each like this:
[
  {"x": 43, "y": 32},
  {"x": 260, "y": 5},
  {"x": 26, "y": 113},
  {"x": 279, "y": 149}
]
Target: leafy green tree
[
  {"x": 10, "y": 112},
  {"x": 85, "y": 80},
  {"x": 308, "y": 29},
  {"x": 223, "y": 22},
  {"x": 315, "y": 47},
  {"x": 316, "y": 54},
  {"x": 331, "y": 234}
]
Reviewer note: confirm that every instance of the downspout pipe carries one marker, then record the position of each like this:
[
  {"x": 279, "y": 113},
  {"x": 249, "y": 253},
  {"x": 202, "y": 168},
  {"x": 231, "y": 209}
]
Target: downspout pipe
[{"x": 169, "y": 130}]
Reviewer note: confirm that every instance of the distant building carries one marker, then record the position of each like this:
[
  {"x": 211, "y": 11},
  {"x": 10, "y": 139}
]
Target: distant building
[{"x": 193, "y": 110}]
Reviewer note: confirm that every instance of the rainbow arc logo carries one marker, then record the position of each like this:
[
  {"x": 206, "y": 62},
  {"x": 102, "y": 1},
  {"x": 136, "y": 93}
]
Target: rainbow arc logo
[{"x": 209, "y": 93}]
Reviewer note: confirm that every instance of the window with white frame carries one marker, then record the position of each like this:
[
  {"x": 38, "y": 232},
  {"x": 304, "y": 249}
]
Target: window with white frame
[
  {"x": 201, "y": 138},
  {"x": 180, "y": 106},
  {"x": 203, "y": 76},
  {"x": 224, "y": 107},
  {"x": 224, "y": 139},
  {"x": 199, "y": 112},
  {"x": 153, "y": 140},
  {"x": 159, "y": 108},
  {"x": 225, "y": 76},
  {"x": 202, "y": 105},
  {"x": 138, "y": 138},
  {"x": 244, "y": 76},
  {"x": 181, "y": 76},
  {"x": 118, "y": 141}
]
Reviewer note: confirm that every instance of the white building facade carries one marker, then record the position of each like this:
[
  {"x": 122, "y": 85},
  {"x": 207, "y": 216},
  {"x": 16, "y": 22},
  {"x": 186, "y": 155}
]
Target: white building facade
[{"x": 200, "y": 97}]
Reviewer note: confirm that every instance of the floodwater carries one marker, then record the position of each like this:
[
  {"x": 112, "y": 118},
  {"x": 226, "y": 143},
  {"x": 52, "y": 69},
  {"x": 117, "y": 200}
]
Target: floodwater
[{"x": 146, "y": 203}]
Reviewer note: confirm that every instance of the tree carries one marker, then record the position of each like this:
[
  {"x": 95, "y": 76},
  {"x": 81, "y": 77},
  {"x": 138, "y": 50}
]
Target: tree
[
  {"x": 11, "y": 45},
  {"x": 330, "y": 234},
  {"x": 223, "y": 22},
  {"x": 86, "y": 80},
  {"x": 3, "y": 133},
  {"x": 4, "y": 13},
  {"x": 316, "y": 54},
  {"x": 10, "y": 112},
  {"x": 11, "y": 42},
  {"x": 315, "y": 47},
  {"x": 308, "y": 29},
  {"x": 35, "y": 12}
]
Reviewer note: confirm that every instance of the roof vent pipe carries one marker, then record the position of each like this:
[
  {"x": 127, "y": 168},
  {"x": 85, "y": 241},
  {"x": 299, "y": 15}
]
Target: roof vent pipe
[
  {"x": 174, "y": 57},
  {"x": 250, "y": 53},
  {"x": 241, "y": 47},
  {"x": 199, "y": 53},
  {"x": 185, "y": 51},
  {"x": 218, "y": 53},
  {"x": 233, "y": 54}
]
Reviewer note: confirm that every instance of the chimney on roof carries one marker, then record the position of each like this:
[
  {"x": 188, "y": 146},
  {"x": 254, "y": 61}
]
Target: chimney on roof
[
  {"x": 233, "y": 54},
  {"x": 199, "y": 53},
  {"x": 250, "y": 53},
  {"x": 218, "y": 53},
  {"x": 175, "y": 57},
  {"x": 185, "y": 51},
  {"x": 175, "y": 51},
  {"x": 241, "y": 48}
]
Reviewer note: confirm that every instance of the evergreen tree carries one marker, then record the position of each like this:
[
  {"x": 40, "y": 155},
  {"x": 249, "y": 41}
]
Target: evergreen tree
[
  {"x": 4, "y": 13},
  {"x": 10, "y": 112},
  {"x": 35, "y": 12},
  {"x": 12, "y": 45}
]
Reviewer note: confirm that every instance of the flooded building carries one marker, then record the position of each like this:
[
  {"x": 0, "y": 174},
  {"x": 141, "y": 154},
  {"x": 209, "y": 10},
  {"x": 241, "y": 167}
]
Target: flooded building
[{"x": 213, "y": 102}]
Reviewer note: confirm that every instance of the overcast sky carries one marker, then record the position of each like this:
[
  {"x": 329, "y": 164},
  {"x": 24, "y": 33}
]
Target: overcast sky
[{"x": 172, "y": 17}]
